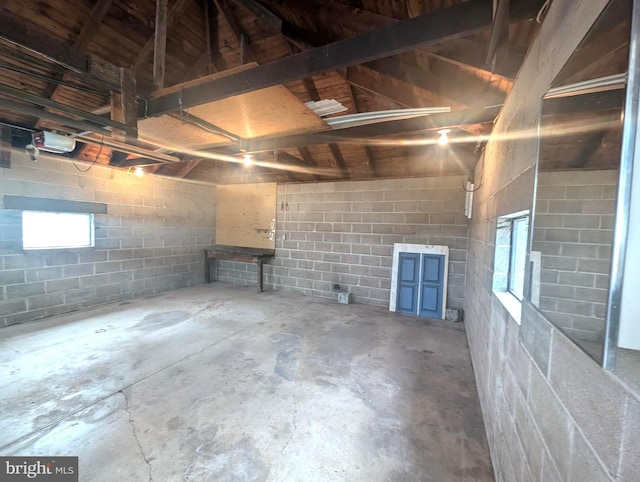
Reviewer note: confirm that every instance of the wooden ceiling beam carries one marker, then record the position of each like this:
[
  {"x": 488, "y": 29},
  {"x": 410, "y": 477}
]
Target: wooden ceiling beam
[
  {"x": 123, "y": 106},
  {"x": 466, "y": 90},
  {"x": 246, "y": 52},
  {"x": 448, "y": 23},
  {"x": 160, "y": 43},
  {"x": 188, "y": 167},
  {"x": 367, "y": 152},
  {"x": 197, "y": 68},
  {"x": 98, "y": 12},
  {"x": 214, "y": 62},
  {"x": 25, "y": 33},
  {"x": 229, "y": 18},
  {"x": 306, "y": 156},
  {"x": 469, "y": 55},
  {"x": 422, "y": 83},
  {"x": 147, "y": 49},
  {"x": 339, "y": 160},
  {"x": 379, "y": 130},
  {"x": 265, "y": 15},
  {"x": 99, "y": 121},
  {"x": 33, "y": 111},
  {"x": 328, "y": 12},
  {"x": 360, "y": 20},
  {"x": 22, "y": 32},
  {"x": 373, "y": 82},
  {"x": 286, "y": 159}
]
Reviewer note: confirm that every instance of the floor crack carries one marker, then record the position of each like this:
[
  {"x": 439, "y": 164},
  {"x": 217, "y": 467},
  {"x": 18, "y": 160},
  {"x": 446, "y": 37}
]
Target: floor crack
[
  {"x": 293, "y": 421},
  {"x": 135, "y": 434},
  {"x": 53, "y": 424}
]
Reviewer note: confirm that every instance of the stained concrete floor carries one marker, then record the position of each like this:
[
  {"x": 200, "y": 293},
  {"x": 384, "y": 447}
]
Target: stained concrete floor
[{"x": 218, "y": 383}]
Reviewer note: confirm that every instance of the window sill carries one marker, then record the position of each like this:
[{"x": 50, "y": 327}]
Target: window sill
[{"x": 512, "y": 304}]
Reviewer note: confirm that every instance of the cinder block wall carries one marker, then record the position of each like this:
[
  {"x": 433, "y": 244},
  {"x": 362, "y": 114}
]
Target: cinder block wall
[
  {"x": 551, "y": 413},
  {"x": 573, "y": 230},
  {"x": 152, "y": 239},
  {"x": 343, "y": 233}
]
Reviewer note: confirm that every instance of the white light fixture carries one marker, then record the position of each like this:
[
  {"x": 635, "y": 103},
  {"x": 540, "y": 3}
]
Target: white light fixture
[
  {"x": 364, "y": 118},
  {"x": 139, "y": 172},
  {"x": 601, "y": 84},
  {"x": 325, "y": 107},
  {"x": 443, "y": 140},
  {"x": 247, "y": 160}
]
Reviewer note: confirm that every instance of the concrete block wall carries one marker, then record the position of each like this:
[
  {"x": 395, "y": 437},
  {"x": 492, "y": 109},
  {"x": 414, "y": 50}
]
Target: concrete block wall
[
  {"x": 152, "y": 239},
  {"x": 551, "y": 413},
  {"x": 343, "y": 233},
  {"x": 573, "y": 230}
]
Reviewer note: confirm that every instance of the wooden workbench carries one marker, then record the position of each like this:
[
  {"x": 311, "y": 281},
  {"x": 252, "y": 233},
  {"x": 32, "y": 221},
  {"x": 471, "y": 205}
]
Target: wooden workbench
[{"x": 236, "y": 253}]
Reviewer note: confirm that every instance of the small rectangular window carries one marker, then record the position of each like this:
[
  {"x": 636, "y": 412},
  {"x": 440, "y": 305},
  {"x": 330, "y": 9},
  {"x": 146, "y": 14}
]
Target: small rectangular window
[
  {"x": 518, "y": 255},
  {"x": 50, "y": 230},
  {"x": 512, "y": 238}
]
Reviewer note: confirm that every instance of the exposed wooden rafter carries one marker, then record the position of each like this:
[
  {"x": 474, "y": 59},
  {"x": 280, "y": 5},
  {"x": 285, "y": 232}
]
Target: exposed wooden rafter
[
  {"x": 312, "y": 92},
  {"x": 63, "y": 121},
  {"x": 367, "y": 152},
  {"x": 376, "y": 83},
  {"x": 160, "y": 43},
  {"x": 25, "y": 33},
  {"x": 359, "y": 21},
  {"x": 229, "y": 18},
  {"x": 380, "y": 130},
  {"x": 464, "y": 92},
  {"x": 93, "y": 120},
  {"x": 214, "y": 62},
  {"x": 370, "y": 55},
  {"x": 98, "y": 12},
  {"x": 400, "y": 37},
  {"x": 286, "y": 159},
  {"x": 273, "y": 21},
  {"x": 144, "y": 53}
]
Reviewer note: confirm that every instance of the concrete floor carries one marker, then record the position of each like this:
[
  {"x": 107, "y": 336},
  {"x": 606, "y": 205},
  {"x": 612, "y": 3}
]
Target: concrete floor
[{"x": 218, "y": 383}]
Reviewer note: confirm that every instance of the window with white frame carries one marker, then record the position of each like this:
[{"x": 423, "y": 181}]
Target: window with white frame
[
  {"x": 512, "y": 233},
  {"x": 518, "y": 255},
  {"x": 53, "y": 230}
]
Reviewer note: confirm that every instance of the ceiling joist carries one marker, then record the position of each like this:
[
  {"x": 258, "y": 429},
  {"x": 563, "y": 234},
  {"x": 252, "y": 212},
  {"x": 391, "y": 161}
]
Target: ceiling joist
[
  {"x": 25, "y": 33},
  {"x": 458, "y": 20},
  {"x": 361, "y": 134},
  {"x": 273, "y": 21},
  {"x": 160, "y": 43}
]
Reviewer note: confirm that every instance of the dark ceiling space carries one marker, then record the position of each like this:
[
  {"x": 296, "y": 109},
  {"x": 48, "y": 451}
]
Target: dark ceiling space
[{"x": 186, "y": 87}]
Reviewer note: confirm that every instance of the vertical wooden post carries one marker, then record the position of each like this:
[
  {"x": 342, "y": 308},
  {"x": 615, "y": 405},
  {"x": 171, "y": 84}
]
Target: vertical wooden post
[
  {"x": 244, "y": 48},
  {"x": 160, "y": 44},
  {"x": 123, "y": 105}
]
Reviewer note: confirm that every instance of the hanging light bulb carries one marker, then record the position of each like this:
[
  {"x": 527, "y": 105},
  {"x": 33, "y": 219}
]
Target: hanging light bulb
[
  {"x": 443, "y": 140},
  {"x": 247, "y": 160},
  {"x": 139, "y": 171}
]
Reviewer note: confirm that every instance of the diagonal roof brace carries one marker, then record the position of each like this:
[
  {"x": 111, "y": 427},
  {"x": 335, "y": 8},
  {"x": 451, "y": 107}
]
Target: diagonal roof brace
[
  {"x": 371, "y": 131},
  {"x": 455, "y": 21}
]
